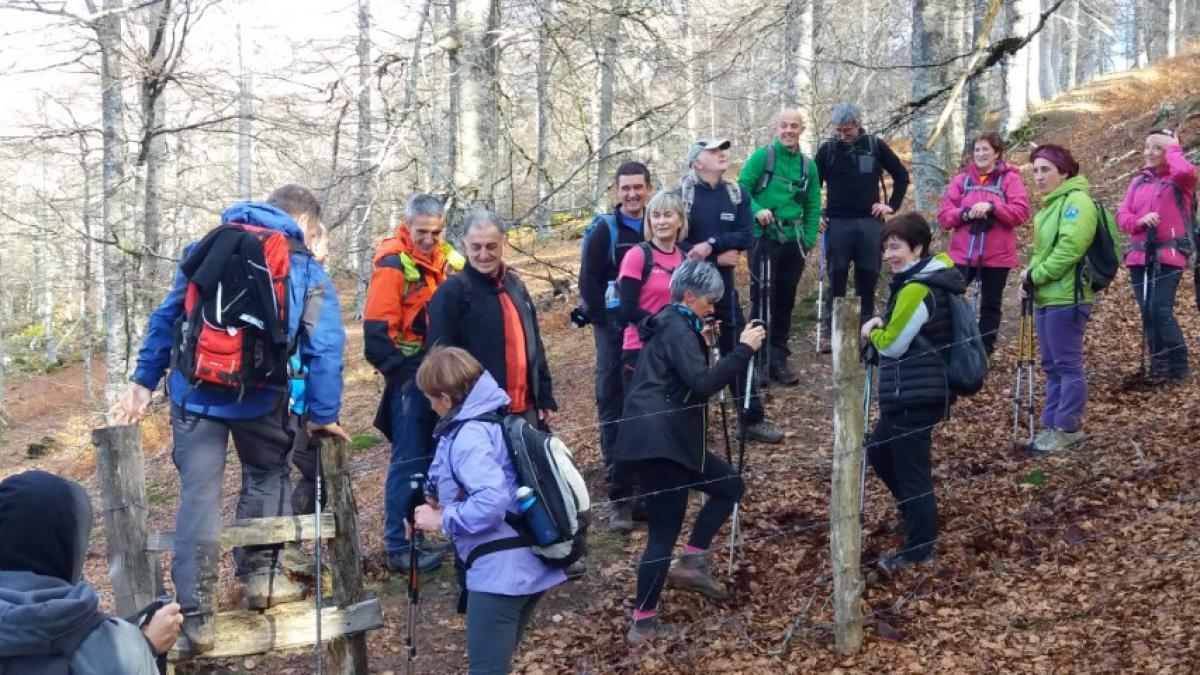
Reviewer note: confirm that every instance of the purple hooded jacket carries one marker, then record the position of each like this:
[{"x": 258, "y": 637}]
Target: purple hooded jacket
[{"x": 476, "y": 484}]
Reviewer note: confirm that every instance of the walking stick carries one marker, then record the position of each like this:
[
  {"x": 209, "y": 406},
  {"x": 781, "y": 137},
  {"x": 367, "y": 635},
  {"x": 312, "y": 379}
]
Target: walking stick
[
  {"x": 871, "y": 357},
  {"x": 735, "y": 530},
  {"x": 1023, "y": 389},
  {"x": 976, "y": 237},
  {"x": 821, "y": 289},
  {"x": 415, "y": 485},
  {"x": 1148, "y": 274},
  {"x": 317, "y": 554},
  {"x": 715, "y": 349}
]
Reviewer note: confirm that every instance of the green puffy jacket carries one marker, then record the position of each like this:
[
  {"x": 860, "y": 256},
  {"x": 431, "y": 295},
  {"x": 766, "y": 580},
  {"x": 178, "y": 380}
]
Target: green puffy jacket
[
  {"x": 1069, "y": 214},
  {"x": 778, "y": 195}
]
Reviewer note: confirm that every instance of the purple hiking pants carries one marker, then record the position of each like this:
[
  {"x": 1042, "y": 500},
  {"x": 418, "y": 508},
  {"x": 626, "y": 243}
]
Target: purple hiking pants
[{"x": 1060, "y": 339}]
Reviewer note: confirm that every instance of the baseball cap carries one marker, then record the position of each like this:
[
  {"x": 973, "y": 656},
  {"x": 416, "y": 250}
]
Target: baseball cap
[{"x": 703, "y": 144}]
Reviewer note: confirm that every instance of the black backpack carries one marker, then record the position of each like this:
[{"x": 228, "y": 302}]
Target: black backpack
[{"x": 1102, "y": 260}]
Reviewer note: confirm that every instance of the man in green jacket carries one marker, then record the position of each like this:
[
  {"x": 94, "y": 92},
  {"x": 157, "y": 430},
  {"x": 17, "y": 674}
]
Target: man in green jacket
[{"x": 785, "y": 197}]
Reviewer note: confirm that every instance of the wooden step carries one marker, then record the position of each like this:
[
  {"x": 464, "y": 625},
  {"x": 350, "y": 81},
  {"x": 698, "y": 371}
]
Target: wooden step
[{"x": 258, "y": 532}]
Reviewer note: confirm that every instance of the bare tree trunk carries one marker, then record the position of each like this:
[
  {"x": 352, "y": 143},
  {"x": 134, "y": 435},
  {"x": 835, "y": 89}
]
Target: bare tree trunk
[
  {"x": 1073, "y": 46},
  {"x": 602, "y": 115},
  {"x": 541, "y": 216},
  {"x": 85, "y": 303},
  {"x": 930, "y": 44},
  {"x": 245, "y": 116},
  {"x": 1018, "y": 70},
  {"x": 46, "y": 273},
  {"x": 152, "y": 155},
  {"x": 798, "y": 65},
  {"x": 476, "y": 23},
  {"x": 1140, "y": 50},
  {"x": 364, "y": 230},
  {"x": 114, "y": 202},
  {"x": 1050, "y": 57},
  {"x": 689, "y": 50},
  {"x": 980, "y": 95},
  {"x": 1172, "y": 26}
]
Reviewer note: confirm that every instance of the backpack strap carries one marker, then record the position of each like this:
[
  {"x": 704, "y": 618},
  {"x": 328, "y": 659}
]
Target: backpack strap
[
  {"x": 768, "y": 173},
  {"x": 994, "y": 189},
  {"x": 610, "y": 219}
]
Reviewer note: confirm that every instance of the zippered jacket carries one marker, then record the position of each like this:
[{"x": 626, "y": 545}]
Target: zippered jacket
[
  {"x": 1010, "y": 201},
  {"x": 1062, "y": 232},
  {"x": 1167, "y": 192}
]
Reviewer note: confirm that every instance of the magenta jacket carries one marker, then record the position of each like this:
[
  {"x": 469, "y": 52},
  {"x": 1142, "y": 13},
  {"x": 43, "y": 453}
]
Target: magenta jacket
[
  {"x": 1011, "y": 211},
  {"x": 1167, "y": 191}
]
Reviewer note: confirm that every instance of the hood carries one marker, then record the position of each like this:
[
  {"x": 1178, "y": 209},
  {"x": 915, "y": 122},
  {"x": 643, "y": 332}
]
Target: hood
[
  {"x": 998, "y": 172},
  {"x": 41, "y": 615},
  {"x": 51, "y": 517},
  {"x": 937, "y": 270},
  {"x": 402, "y": 244},
  {"x": 660, "y": 322},
  {"x": 263, "y": 215},
  {"x": 1069, "y": 185},
  {"x": 485, "y": 397}
]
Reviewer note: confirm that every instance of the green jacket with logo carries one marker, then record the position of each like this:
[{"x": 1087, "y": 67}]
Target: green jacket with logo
[
  {"x": 1069, "y": 214},
  {"x": 778, "y": 195}
]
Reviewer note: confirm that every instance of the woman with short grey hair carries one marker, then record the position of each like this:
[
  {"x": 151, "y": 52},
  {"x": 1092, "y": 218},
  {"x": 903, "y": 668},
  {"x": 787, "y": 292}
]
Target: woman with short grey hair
[{"x": 662, "y": 440}]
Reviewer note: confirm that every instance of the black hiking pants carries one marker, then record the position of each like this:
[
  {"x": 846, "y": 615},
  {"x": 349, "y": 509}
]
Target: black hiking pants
[
  {"x": 899, "y": 452},
  {"x": 853, "y": 240},
  {"x": 991, "y": 299},
  {"x": 787, "y": 266}
]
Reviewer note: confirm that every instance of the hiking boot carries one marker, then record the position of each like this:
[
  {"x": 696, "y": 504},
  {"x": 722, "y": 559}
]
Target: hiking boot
[
  {"x": 576, "y": 569},
  {"x": 646, "y": 630},
  {"x": 692, "y": 573},
  {"x": 620, "y": 520},
  {"x": 783, "y": 375},
  {"x": 893, "y": 564},
  {"x": 198, "y": 627},
  {"x": 427, "y": 560},
  {"x": 1045, "y": 440},
  {"x": 270, "y": 586},
  {"x": 764, "y": 432},
  {"x": 1067, "y": 440}
]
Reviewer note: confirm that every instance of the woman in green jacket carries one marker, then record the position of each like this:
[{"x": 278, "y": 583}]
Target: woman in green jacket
[{"x": 1063, "y": 230}]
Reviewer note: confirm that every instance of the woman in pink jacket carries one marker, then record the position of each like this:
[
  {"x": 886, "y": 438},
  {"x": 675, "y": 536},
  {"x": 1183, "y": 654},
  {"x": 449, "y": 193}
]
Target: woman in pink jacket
[
  {"x": 1155, "y": 213},
  {"x": 983, "y": 206}
]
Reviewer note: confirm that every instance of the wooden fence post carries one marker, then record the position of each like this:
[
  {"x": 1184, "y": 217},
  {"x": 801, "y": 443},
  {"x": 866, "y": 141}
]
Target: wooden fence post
[
  {"x": 845, "y": 528},
  {"x": 123, "y": 500},
  {"x": 347, "y": 655}
]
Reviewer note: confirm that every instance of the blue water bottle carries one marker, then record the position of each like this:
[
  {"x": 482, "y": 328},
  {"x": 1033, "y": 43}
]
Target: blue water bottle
[{"x": 537, "y": 519}]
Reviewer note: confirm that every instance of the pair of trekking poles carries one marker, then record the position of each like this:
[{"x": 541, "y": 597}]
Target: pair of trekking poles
[
  {"x": 1150, "y": 272},
  {"x": 1023, "y": 387},
  {"x": 715, "y": 351}
]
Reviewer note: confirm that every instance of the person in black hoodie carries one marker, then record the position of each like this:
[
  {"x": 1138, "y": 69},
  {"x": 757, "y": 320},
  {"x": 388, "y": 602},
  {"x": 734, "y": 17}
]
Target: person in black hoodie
[
  {"x": 913, "y": 391},
  {"x": 486, "y": 310},
  {"x": 851, "y": 166},
  {"x": 663, "y": 438},
  {"x": 50, "y": 620}
]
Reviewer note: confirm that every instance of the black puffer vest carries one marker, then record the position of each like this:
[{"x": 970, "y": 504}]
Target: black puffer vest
[{"x": 917, "y": 380}]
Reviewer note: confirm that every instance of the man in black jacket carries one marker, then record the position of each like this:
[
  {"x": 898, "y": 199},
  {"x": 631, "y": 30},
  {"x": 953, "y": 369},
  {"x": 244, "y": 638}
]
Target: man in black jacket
[
  {"x": 602, "y": 256},
  {"x": 486, "y": 310},
  {"x": 719, "y": 229},
  {"x": 851, "y": 166}
]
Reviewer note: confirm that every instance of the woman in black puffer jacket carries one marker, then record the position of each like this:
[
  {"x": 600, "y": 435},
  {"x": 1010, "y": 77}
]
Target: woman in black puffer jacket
[
  {"x": 914, "y": 394},
  {"x": 663, "y": 438}
]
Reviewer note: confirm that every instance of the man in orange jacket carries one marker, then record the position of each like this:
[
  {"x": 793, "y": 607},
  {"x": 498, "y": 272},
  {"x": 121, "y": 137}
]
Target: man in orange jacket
[{"x": 409, "y": 267}]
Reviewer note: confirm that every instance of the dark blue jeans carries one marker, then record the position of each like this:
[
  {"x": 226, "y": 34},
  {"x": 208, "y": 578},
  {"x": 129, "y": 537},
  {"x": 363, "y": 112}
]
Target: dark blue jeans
[
  {"x": 412, "y": 448},
  {"x": 610, "y": 401},
  {"x": 1168, "y": 350}
]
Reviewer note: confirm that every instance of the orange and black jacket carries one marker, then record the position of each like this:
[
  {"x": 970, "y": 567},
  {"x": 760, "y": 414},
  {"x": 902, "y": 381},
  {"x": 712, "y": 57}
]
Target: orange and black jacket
[{"x": 394, "y": 319}]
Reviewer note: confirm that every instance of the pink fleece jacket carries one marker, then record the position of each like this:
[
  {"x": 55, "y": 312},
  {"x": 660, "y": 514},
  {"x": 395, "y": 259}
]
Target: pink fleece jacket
[
  {"x": 1164, "y": 191},
  {"x": 1010, "y": 212}
]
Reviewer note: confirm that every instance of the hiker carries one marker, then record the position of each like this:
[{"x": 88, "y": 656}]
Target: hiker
[
  {"x": 913, "y": 392},
  {"x": 1063, "y": 229},
  {"x": 409, "y": 268},
  {"x": 203, "y": 416},
  {"x": 486, "y": 310},
  {"x": 851, "y": 166},
  {"x": 472, "y": 488},
  {"x": 663, "y": 437},
  {"x": 983, "y": 207},
  {"x": 602, "y": 257},
  {"x": 785, "y": 197},
  {"x": 1159, "y": 200},
  {"x": 50, "y": 619},
  {"x": 646, "y": 288},
  {"x": 720, "y": 226}
]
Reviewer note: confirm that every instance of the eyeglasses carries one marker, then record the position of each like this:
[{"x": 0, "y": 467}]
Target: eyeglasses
[{"x": 1165, "y": 132}]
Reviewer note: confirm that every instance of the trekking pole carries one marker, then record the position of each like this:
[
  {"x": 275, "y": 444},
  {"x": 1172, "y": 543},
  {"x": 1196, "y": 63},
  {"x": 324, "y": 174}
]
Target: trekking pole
[
  {"x": 1023, "y": 389},
  {"x": 415, "y": 485},
  {"x": 971, "y": 261},
  {"x": 735, "y": 523},
  {"x": 869, "y": 356},
  {"x": 979, "y": 273},
  {"x": 821, "y": 288},
  {"x": 317, "y": 553},
  {"x": 715, "y": 349},
  {"x": 1148, "y": 272}
]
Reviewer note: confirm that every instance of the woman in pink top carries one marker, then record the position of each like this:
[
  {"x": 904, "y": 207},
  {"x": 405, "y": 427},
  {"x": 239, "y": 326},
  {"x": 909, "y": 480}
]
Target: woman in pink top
[
  {"x": 983, "y": 206},
  {"x": 645, "y": 287},
  {"x": 1155, "y": 213}
]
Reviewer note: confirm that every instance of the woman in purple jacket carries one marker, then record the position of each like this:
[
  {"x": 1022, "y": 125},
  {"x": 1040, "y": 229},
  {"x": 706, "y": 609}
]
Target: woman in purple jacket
[
  {"x": 1159, "y": 203},
  {"x": 473, "y": 485},
  {"x": 983, "y": 207}
]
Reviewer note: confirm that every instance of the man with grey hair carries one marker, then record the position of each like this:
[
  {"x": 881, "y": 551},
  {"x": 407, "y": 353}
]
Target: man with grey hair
[
  {"x": 487, "y": 311},
  {"x": 851, "y": 165},
  {"x": 719, "y": 229},
  {"x": 409, "y": 267}
]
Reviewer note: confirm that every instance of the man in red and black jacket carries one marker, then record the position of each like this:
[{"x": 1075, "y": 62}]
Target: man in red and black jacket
[
  {"x": 409, "y": 268},
  {"x": 486, "y": 310}
]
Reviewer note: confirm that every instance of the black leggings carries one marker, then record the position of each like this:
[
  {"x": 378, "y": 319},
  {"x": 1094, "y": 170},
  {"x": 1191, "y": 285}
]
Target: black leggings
[{"x": 666, "y": 505}]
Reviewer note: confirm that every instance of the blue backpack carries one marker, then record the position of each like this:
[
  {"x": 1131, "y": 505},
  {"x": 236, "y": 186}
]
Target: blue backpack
[{"x": 611, "y": 223}]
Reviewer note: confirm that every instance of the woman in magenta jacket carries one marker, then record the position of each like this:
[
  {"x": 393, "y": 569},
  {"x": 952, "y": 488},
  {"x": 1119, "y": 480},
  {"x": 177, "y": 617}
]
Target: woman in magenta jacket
[
  {"x": 1158, "y": 202},
  {"x": 983, "y": 206}
]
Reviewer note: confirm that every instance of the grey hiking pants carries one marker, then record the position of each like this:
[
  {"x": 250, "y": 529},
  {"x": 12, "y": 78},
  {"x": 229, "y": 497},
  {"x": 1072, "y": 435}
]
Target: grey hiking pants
[
  {"x": 495, "y": 625},
  {"x": 201, "y": 445}
]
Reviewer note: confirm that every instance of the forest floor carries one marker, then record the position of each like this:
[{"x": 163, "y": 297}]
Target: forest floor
[{"x": 1082, "y": 562}]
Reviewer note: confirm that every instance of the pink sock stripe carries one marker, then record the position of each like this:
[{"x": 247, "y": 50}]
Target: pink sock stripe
[
  {"x": 641, "y": 614},
  {"x": 689, "y": 549}
]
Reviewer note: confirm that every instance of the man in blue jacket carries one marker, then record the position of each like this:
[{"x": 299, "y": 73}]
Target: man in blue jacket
[{"x": 203, "y": 419}]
